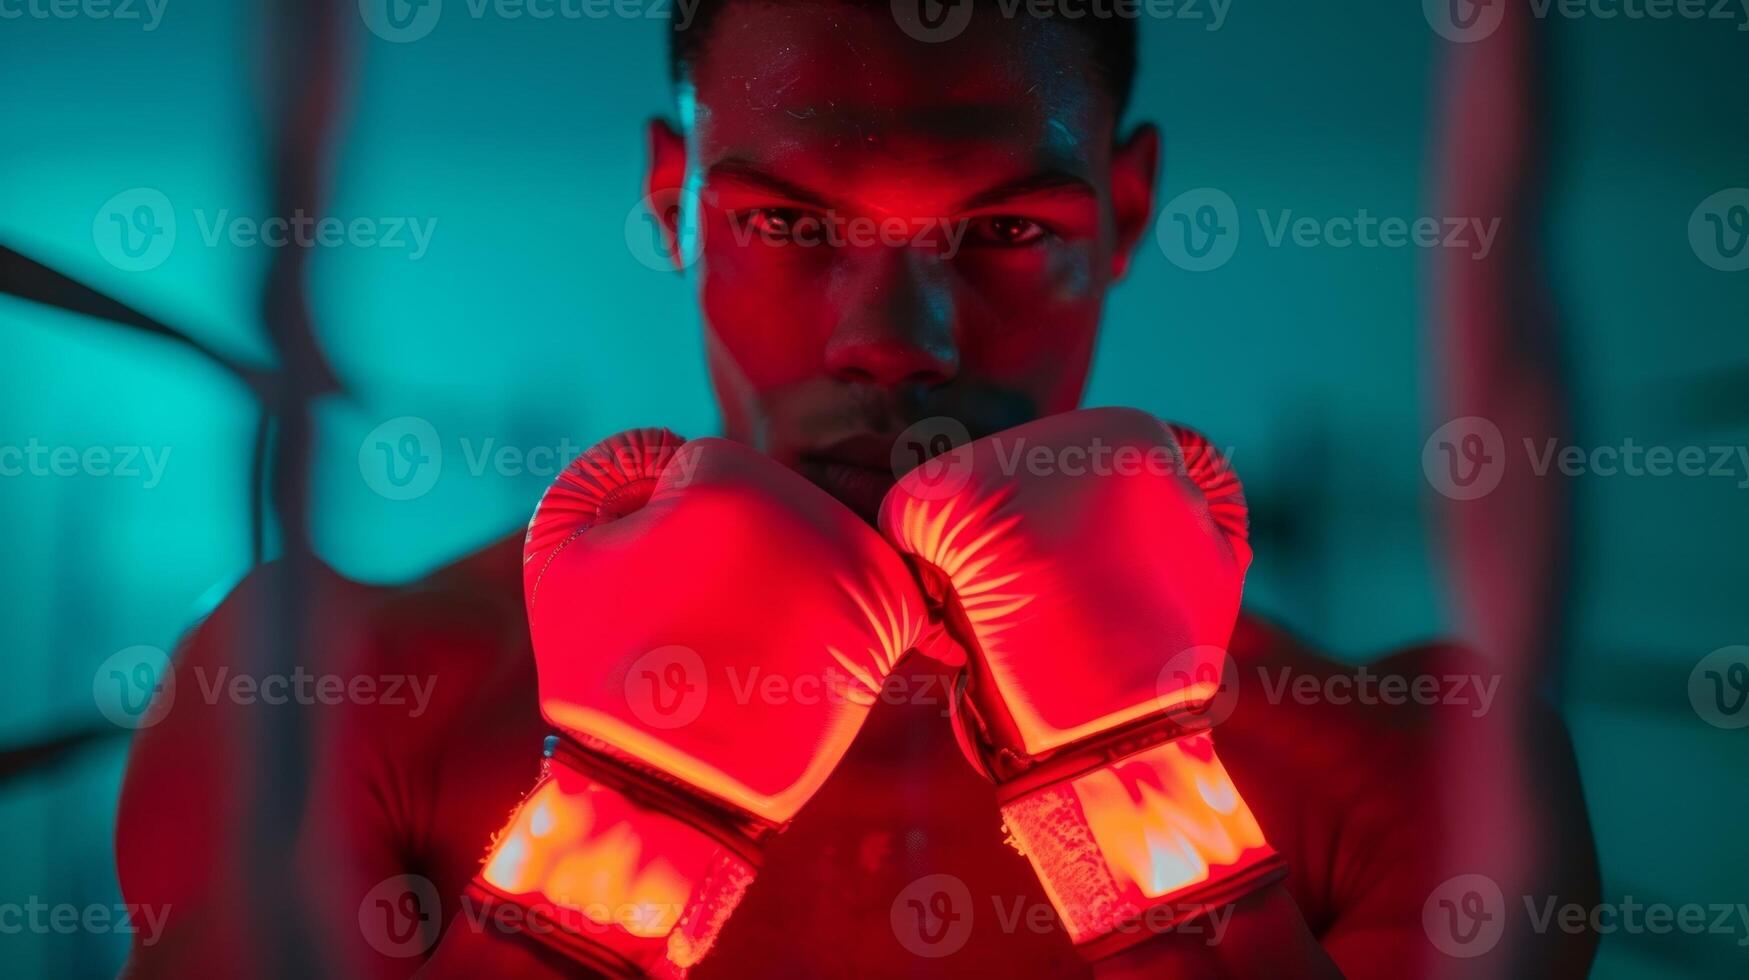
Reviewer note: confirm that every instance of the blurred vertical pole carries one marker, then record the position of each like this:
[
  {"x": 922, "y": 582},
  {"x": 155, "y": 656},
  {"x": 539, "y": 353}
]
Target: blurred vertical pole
[
  {"x": 1495, "y": 346},
  {"x": 303, "y": 54}
]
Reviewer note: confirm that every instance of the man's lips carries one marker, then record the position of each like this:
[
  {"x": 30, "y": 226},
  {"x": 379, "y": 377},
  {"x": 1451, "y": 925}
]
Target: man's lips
[
  {"x": 868, "y": 451},
  {"x": 858, "y": 471}
]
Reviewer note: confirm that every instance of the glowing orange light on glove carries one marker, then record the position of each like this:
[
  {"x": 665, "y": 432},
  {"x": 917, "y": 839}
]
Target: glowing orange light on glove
[{"x": 1095, "y": 605}]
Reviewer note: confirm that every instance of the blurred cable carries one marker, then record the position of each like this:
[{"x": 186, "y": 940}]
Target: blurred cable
[
  {"x": 22, "y": 761},
  {"x": 30, "y": 280}
]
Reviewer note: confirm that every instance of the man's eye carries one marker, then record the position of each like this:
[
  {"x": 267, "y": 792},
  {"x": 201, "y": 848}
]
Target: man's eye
[
  {"x": 1006, "y": 231},
  {"x": 779, "y": 223}
]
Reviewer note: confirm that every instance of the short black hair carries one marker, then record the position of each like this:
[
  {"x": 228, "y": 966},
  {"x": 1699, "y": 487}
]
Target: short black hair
[{"x": 1113, "y": 37}]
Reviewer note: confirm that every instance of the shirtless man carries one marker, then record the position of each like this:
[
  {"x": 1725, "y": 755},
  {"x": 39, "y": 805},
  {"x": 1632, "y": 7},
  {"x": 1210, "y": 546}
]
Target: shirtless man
[{"x": 999, "y": 199}]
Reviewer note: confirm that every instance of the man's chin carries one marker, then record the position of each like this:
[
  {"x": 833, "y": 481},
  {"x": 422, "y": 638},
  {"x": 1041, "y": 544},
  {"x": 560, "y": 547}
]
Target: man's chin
[{"x": 860, "y": 488}]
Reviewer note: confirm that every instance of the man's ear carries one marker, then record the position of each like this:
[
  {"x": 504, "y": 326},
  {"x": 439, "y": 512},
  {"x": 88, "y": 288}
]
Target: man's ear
[
  {"x": 664, "y": 179},
  {"x": 1133, "y": 166}
]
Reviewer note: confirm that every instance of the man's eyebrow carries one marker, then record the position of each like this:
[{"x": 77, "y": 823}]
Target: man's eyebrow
[
  {"x": 744, "y": 172},
  {"x": 1049, "y": 182}
]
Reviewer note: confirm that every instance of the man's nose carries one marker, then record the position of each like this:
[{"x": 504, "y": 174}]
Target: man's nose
[{"x": 896, "y": 320}]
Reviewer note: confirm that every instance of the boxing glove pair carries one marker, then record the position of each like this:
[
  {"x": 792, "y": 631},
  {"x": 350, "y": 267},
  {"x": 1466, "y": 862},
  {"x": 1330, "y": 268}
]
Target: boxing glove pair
[{"x": 711, "y": 630}]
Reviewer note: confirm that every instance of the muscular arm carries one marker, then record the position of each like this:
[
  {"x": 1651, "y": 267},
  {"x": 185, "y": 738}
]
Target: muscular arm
[
  {"x": 1403, "y": 860},
  {"x": 181, "y": 837},
  {"x": 1353, "y": 796},
  {"x": 405, "y": 773},
  {"x": 1261, "y": 935}
]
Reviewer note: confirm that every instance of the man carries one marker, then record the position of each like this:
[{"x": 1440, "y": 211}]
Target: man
[{"x": 884, "y": 233}]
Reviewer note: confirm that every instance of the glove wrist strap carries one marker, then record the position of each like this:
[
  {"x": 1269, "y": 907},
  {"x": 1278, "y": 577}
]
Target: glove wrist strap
[
  {"x": 1141, "y": 844},
  {"x": 609, "y": 880}
]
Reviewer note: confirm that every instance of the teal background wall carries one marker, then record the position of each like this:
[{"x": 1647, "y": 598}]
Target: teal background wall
[{"x": 530, "y": 322}]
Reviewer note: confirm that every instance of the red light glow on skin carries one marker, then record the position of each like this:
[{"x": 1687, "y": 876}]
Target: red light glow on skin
[{"x": 1008, "y": 133}]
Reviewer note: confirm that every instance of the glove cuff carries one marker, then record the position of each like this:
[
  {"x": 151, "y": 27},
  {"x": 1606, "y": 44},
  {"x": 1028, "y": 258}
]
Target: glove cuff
[
  {"x": 1139, "y": 845},
  {"x": 608, "y": 879}
]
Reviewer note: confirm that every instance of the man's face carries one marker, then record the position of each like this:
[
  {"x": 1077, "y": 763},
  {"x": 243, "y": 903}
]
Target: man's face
[{"x": 890, "y": 231}]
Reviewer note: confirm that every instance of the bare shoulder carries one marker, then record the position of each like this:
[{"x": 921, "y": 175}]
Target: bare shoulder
[
  {"x": 461, "y": 624},
  {"x": 362, "y": 678}
]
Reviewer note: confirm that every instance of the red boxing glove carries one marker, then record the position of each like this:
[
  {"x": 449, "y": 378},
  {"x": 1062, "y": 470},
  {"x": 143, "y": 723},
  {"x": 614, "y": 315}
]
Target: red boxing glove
[
  {"x": 1091, "y": 565},
  {"x": 710, "y": 631}
]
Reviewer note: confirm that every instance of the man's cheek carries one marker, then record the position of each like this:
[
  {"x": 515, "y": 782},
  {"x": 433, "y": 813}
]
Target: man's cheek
[
  {"x": 1073, "y": 273},
  {"x": 1062, "y": 273},
  {"x": 1035, "y": 298},
  {"x": 764, "y": 324},
  {"x": 1039, "y": 345}
]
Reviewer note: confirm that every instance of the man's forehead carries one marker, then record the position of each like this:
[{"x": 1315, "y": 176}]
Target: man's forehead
[{"x": 831, "y": 86}]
